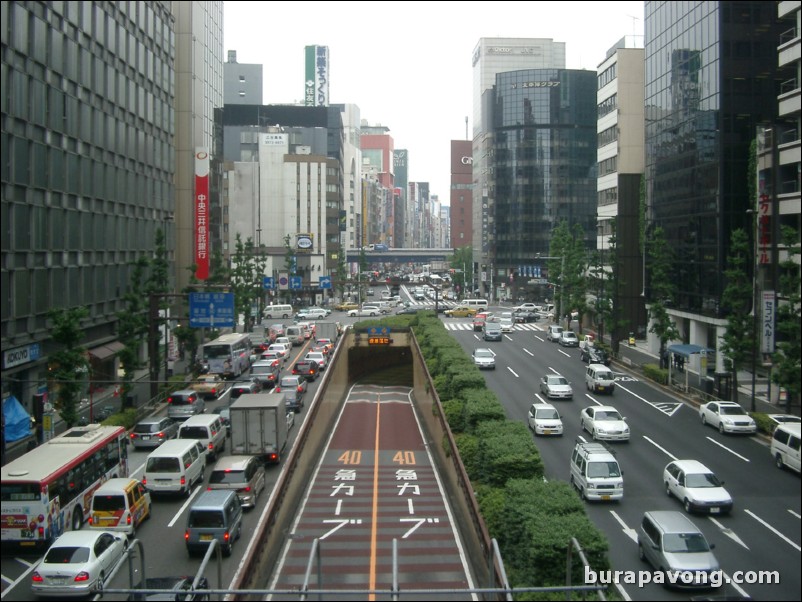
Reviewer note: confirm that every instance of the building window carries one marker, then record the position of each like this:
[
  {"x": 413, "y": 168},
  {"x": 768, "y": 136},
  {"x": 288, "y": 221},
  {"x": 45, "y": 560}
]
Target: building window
[{"x": 242, "y": 93}]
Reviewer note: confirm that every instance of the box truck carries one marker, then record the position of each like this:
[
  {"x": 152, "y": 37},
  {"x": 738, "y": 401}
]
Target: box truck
[{"x": 259, "y": 426}]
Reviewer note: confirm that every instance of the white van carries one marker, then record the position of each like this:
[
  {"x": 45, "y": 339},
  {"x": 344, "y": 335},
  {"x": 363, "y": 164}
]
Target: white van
[
  {"x": 278, "y": 311},
  {"x": 595, "y": 472},
  {"x": 785, "y": 446},
  {"x": 599, "y": 379},
  {"x": 175, "y": 467},
  {"x": 478, "y": 304},
  {"x": 208, "y": 429},
  {"x": 296, "y": 335}
]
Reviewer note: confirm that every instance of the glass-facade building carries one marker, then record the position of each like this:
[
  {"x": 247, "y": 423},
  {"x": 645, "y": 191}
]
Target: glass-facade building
[
  {"x": 87, "y": 177},
  {"x": 710, "y": 80},
  {"x": 543, "y": 163}
]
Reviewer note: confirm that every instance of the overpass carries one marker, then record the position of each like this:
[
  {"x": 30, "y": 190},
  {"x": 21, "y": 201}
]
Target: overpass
[{"x": 399, "y": 255}]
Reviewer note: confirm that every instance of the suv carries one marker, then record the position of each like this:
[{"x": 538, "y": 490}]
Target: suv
[
  {"x": 185, "y": 403},
  {"x": 595, "y": 472},
  {"x": 491, "y": 331},
  {"x": 554, "y": 333},
  {"x": 294, "y": 389}
]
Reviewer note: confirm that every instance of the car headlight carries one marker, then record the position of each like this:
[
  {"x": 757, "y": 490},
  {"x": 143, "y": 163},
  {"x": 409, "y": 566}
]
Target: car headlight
[
  {"x": 726, "y": 420},
  {"x": 600, "y": 429}
]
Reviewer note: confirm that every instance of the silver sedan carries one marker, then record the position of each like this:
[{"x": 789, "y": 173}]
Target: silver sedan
[{"x": 555, "y": 386}]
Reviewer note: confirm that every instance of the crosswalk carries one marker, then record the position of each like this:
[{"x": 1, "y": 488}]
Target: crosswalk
[{"x": 469, "y": 326}]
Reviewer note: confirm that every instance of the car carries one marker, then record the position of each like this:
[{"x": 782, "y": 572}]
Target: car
[
  {"x": 328, "y": 344},
  {"x": 779, "y": 419},
  {"x": 491, "y": 331},
  {"x": 277, "y": 330},
  {"x": 266, "y": 372},
  {"x": 346, "y": 306},
  {"x": 282, "y": 351},
  {"x": 243, "y": 474},
  {"x": 225, "y": 416},
  {"x": 594, "y": 355},
  {"x": 185, "y": 403},
  {"x": 727, "y": 417},
  {"x": 604, "y": 423},
  {"x": 479, "y": 320},
  {"x": 320, "y": 358},
  {"x": 525, "y": 317},
  {"x": 308, "y": 329},
  {"x": 208, "y": 386},
  {"x": 272, "y": 356},
  {"x": 181, "y": 589},
  {"x": 544, "y": 419},
  {"x": 461, "y": 311},
  {"x": 153, "y": 431},
  {"x": 284, "y": 341},
  {"x": 697, "y": 487},
  {"x": 257, "y": 350},
  {"x": 556, "y": 386},
  {"x": 366, "y": 311},
  {"x": 78, "y": 563},
  {"x": 370, "y": 292},
  {"x": 311, "y": 313},
  {"x": 506, "y": 322},
  {"x": 568, "y": 338},
  {"x": 246, "y": 387},
  {"x": 525, "y": 307},
  {"x": 410, "y": 310},
  {"x": 307, "y": 368},
  {"x": 484, "y": 359},
  {"x": 293, "y": 381},
  {"x": 554, "y": 333}
]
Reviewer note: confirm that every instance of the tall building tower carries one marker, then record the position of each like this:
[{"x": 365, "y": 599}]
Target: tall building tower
[
  {"x": 242, "y": 83},
  {"x": 709, "y": 83},
  {"x": 88, "y": 152},
  {"x": 461, "y": 195},
  {"x": 198, "y": 92},
  {"x": 620, "y": 155},
  {"x": 492, "y": 56}
]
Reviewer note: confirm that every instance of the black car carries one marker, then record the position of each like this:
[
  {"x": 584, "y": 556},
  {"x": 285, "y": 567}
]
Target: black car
[
  {"x": 594, "y": 355},
  {"x": 522, "y": 317},
  {"x": 309, "y": 369},
  {"x": 411, "y": 310},
  {"x": 181, "y": 589},
  {"x": 245, "y": 387}
]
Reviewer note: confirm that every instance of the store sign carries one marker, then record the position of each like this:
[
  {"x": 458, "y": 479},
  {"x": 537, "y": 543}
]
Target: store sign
[
  {"x": 768, "y": 310},
  {"x": 20, "y": 355},
  {"x": 202, "y": 241},
  {"x": 304, "y": 242}
]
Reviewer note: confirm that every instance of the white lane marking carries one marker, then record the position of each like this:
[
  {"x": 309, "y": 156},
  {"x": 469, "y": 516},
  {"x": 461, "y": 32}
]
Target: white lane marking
[
  {"x": 673, "y": 406},
  {"x": 623, "y": 592},
  {"x": 136, "y": 472},
  {"x": 728, "y": 532},
  {"x": 796, "y": 514},
  {"x": 529, "y": 352},
  {"x": 513, "y": 372},
  {"x": 14, "y": 583},
  {"x": 772, "y": 529},
  {"x": 338, "y": 508},
  {"x": 724, "y": 447},
  {"x": 564, "y": 353},
  {"x": 541, "y": 339},
  {"x": 662, "y": 449},
  {"x": 741, "y": 590},
  {"x": 195, "y": 491},
  {"x": 598, "y": 403},
  {"x": 628, "y": 531}
]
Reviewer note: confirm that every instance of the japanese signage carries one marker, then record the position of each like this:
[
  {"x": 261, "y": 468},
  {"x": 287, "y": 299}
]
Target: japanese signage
[
  {"x": 20, "y": 355},
  {"x": 202, "y": 249},
  {"x": 764, "y": 230},
  {"x": 316, "y": 86},
  {"x": 768, "y": 309}
]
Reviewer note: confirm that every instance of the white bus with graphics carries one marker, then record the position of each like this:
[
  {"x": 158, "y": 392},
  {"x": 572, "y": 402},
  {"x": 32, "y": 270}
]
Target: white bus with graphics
[{"x": 229, "y": 354}]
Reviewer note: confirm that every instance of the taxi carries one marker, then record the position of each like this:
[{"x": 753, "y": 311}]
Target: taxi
[{"x": 461, "y": 311}]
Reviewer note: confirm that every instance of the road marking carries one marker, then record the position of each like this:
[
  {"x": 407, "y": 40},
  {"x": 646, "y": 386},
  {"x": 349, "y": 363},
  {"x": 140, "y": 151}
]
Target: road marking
[
  {"x": 741, "y": 590},
  {"x": 195, "y": 491},
  {"x": 513, "y": 372},
  {"x": 375, "y": 513},
  {"x": 564, "y": 353},
  {"x": 14, "y": 583},
  {"x": 541, "y": 339},
  {"x": 772, "y": 529},
  {"x": 529, "y": 352},
  {"x": 795, "y": 513},
  {"x": 728, "y": 532},
  {"x": 662, "y": 449},
  {"x": 628, "y": 531},
  {"x": 598, "y": 403},
  {"x": 724, "y": 447},
  {"x": 136, "y": 472},
  {"x": 668, "y": 408}
]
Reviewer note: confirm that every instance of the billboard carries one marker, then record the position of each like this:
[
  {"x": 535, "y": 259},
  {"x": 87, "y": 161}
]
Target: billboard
[
  {"x": 202, "y": 250},
  {"x": 316, "y": 81}
]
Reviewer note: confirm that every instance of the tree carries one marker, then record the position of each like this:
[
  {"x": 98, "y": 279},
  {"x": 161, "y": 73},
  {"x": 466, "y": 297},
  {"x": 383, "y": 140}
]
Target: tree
[
  {"x": 246, "y": 273},
  {"x": 662, "y": 289},
  {"x": 558, "y": 249},
  {"x": 787, "y": 368},
  {"x": 738, "y": 340},
  {"x": 290, "y": 265},
  {"x": 67, "y": 364},
  {"x": 576, "y": 265},
  {"x": 132, "y": 325},
  {"x": 462, "y": 264}
]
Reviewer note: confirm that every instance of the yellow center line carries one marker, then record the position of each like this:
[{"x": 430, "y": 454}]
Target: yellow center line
[{"x": 374, "y": 523}]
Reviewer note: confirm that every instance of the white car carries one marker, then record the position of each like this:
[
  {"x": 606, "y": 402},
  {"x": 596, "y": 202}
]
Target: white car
[
  {"x": 556, "y": 386},
  {"x": 507, "y": 323},
  {"x": 282, "y": 341},
  {"x": 727, "y": 417},
  {"x": 525, "y": 307},
  {"x": 312, "y": 313},
  {"x": 319, "y": 357},
  {"x": 604, "y": 423},
  {"x": 281, "y": 350},
  {"x": 484, "y": 359},
  {"x": 366, "y": 311},
  {"x": 544, "y": 419},
  {"x": 695, "y": 485},
  {"x": 78, "y": 563}
]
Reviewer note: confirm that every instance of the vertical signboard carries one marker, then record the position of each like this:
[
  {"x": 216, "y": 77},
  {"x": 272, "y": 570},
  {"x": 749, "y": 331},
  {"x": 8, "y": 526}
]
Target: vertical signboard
[
  {"x": 767, "y": 322},
  {"x": 202, "y": 213},
  {"x": 764, "y": 230},
  {"x": 309, "y": 76},
  {"x": 316, "y": 87}
]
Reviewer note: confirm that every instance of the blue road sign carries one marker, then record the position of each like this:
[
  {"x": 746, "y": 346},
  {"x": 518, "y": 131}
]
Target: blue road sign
[
  {"x": 325, "y": 282},
  {"x": 268, "y": 283},
  {"x": 379, "y": 331},
  {"x": 295, "y": 282},
  {"x": 211, "y": 310}
]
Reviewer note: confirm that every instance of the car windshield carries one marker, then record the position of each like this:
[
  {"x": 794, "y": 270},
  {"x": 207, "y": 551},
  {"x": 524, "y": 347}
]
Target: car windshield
[
  {"x": 289, "y": 382},
  {"x": 607, "y": 415},
  {"x": 684, "y": 542},
  {"x": 108, "y": 503},
  {"x": 148, "y": 427},
  {"x": 547, "y": 414},
  {"x": 732, "y": 410},
  {"x": 604, "y": 375},
  {"x": 557, "y": 380},
  {"x": 227, "y": 477},
  {"x": 603, "y": 470},
  {"x": 702, "y": 480},
  {"x": 66, "y": 555},
  {"x": 483, "y": 353}
]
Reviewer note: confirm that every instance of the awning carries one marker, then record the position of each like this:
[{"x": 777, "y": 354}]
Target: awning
[
  {"x": 687, "y": 350},
  {"x": 104, "y": 352}
]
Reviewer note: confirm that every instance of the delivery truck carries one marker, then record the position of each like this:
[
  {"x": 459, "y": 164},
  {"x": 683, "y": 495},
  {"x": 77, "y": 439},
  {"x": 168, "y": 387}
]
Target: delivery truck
[{"x": 259, "y": 426}]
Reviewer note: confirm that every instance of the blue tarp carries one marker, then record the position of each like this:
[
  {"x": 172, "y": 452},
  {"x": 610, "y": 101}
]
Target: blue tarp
[
  {"x": 18, "y": 422},
  {"x": 687, "y": 350}
]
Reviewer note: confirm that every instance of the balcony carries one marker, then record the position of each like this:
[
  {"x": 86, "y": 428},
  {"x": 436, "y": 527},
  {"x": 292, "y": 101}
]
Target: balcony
[
  {"x": 790, "y": 48},
  {"x": 789, "y": 98}
]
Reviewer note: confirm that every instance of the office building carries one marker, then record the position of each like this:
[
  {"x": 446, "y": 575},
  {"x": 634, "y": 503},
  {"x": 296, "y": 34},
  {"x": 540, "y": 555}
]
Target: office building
[{"x": 461, "y": 194}]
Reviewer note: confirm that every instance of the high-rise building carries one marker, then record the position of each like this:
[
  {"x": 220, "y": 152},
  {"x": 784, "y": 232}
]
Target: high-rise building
[
  {"x": 378, "y": 163},
  {"x": 620, "y": 172},
  {"x": 89, "y": 171},
  {"x": 709, "y": 80},
  {"x": 492, "y": 56},
  {"x": 242, "y": 83}
]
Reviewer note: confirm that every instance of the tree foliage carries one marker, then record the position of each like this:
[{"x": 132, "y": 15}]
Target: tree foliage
[
  {"x": 661, "y": 287},
  {"x": 248, "y": 268},
  {"x": 738, "y": 340},
  {"x": 462, "y": 264},
  {"x": 132, "y": 324},
  {"x": 787, "y": 362},
  {"x": 68, "y": 364}
]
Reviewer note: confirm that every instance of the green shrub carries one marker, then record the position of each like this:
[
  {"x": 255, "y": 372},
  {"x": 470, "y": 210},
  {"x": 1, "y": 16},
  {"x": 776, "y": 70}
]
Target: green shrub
[
  {"x": 655, "y": 373},
  {"x": 468, "y": 446},
  {"x": 126, "y": 418},
  {"x": 454, "y": 410},
  {"x": 491, "y": 502},
  {"x": 507, "y": 451},
  {"x": 764, "y": 423}
]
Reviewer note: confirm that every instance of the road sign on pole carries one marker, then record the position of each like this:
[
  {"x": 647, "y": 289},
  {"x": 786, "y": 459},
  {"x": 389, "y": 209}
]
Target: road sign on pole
[
  {"x": 211, "y": 310},
  {"x": 268, "y": 283},
  {"x": 325, "y": 282}
]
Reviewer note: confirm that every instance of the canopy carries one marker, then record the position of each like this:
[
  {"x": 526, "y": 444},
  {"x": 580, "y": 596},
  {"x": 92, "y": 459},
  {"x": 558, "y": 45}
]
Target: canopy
[
  {"x": 687, "y": 351},
  {"x": 18, "y": 422}
]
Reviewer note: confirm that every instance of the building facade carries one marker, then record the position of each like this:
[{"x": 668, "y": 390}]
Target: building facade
[
  {"x": 461, "y": 194},
  {"x": 242, "y": 83}
]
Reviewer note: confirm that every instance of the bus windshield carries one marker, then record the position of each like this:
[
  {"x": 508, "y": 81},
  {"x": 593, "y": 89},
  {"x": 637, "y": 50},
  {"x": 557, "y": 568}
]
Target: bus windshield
[{"x": 217, "y": 351}]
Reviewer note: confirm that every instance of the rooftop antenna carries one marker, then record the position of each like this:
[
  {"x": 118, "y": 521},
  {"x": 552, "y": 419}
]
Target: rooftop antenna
[
  {"x": 466, "y": 127},
  {"x": 634, "y": 27}
]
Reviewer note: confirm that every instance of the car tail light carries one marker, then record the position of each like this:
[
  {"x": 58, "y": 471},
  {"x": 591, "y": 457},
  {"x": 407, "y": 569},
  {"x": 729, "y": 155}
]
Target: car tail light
[
  {"x": 82, "y": 576},
  {"x": 246, "y": 489},
  {"x": 186, "y": 535},
  {"x": 169, "y": 400},
  {"x": 144, "y": 480},
  {"x": 214, "y": 391},
  {"x": 91, "y": 520},
  {"x": 160, "y": 435},
  {"x": 133, "y": 435},
  {"x": 300, "y": 388},
  {"x": 211, "y": 446},
  {"x": 183, "y": 481},
  {"x": 278, "y": 388},
  {"x": 227, "y": 536},
  {"x": 37, "y": 578},
  {"x": 128, "y": 520}
]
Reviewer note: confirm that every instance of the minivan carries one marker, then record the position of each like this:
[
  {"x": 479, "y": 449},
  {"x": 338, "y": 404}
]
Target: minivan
[
  {"x": 599, "y": 379},
  {"x": 208, "y": 429},
  {"x": 278, "y": 311},
  {"x": 295, "y": 334},
  {"x": 785, "y": 446},
  {"x": 175, "y": 467},
  {"x": 243, "y": 474},
  {"x": 595, "y": 472},
  {"x": 216, "y": 514},
  {"x": 185, "y": 403},
  {"x": 119, "y": 505},
  {"x": 671, "y": 543},
  {"x": 478, "y": 304}
]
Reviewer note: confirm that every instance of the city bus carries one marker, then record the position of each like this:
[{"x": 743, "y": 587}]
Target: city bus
[
  {"x": 229, "y": 355},
  {"x": 49, "y": 490}
]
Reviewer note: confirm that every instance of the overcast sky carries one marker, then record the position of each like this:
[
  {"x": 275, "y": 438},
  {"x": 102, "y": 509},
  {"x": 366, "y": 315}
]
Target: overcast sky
[{"x": 407, "y": 65}]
